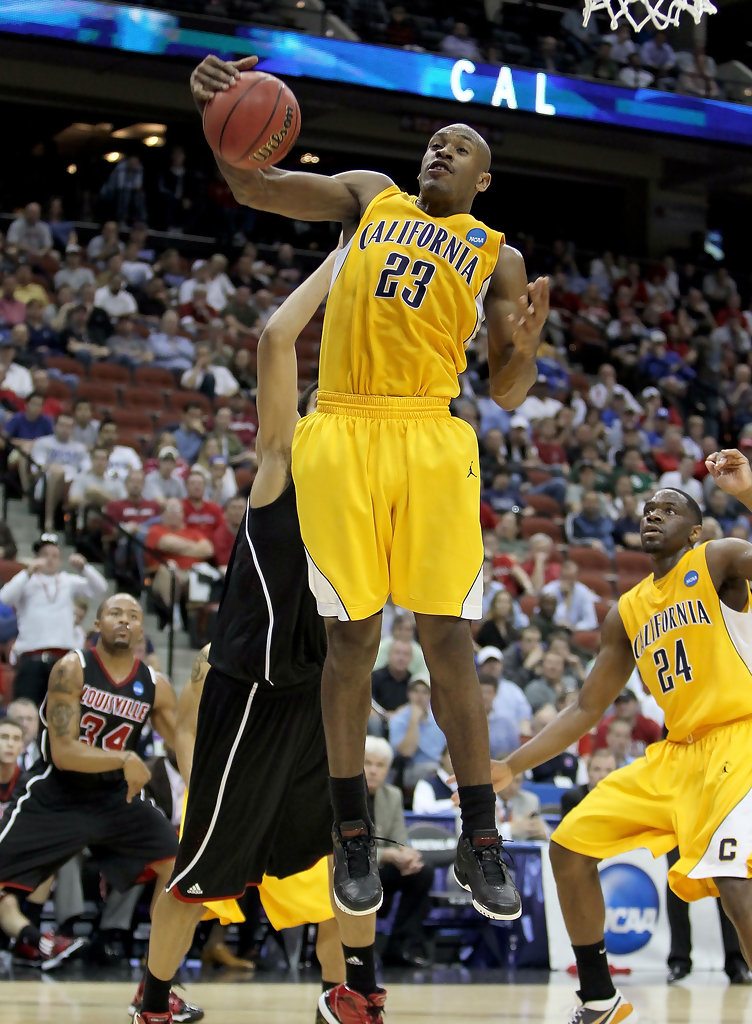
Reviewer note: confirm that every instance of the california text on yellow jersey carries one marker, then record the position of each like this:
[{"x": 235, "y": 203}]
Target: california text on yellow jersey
[
  {"x": 406, "y": 298},
  {"x": 693, "y": 652}
]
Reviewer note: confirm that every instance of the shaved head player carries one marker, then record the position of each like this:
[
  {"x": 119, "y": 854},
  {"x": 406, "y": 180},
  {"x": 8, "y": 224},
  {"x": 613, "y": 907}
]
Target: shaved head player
[
  {"x": 686, "y": 627},
  {"x": 386, "y": 479}
]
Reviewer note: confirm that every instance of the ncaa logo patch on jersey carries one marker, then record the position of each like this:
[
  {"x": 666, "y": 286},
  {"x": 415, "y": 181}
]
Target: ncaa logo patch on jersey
[
  {"x": 138, "y": 688},
  {"x": 691, "y": 578},
  {"x": 476, "y": 236}
]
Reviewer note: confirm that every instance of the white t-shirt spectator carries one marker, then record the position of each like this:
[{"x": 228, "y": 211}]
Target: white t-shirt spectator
[
  {"x": 29, "y": 237},
  {"x": 136, "y": 272},
  {"x": 120, "y": 304},
  {"x": 45, "y": 609},
  {"x": 224, "y": 382},
  {"x": 122, "y": 460},
  {"x": 575, "y": 610},
  {"x": 75, "y": 277},
  {"x": 48, "y": 451},
  {"x": 635, "y": 78},
  {"x": 658, "y": 56},
  {"x": 18, "y": 380},
  {"x": 673, "y": 480}
]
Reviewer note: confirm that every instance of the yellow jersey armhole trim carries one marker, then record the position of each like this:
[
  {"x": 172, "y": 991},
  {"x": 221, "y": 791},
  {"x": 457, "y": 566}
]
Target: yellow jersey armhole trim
[{"x": 391, "y": 190}]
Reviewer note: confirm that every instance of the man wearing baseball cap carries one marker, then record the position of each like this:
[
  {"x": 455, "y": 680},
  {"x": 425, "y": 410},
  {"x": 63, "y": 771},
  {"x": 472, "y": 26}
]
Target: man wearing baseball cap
[{"x": 165, "y": 482}]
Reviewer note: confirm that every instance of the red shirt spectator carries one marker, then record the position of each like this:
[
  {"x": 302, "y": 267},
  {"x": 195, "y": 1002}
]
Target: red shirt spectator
[
  {"x": 644, "y": 730},
  {"x": 488, "y": 518},
  {"x": 134, "y": 508},
  {"x": 199, "y": 514},
  {"x": 159, "y": 530}
]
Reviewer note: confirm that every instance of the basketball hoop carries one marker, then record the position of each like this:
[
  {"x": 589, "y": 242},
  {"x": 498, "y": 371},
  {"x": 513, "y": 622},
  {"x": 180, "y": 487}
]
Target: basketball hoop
[{"x": 639, "y": 13}]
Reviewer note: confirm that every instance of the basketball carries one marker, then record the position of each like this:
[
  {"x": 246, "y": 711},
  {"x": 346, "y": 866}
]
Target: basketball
[{"x": 254, "y": 123}]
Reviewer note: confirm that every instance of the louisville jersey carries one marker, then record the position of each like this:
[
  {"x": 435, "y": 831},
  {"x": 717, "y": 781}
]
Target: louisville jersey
[
  {"x": 112, "y": 713},
  {"x": 693, "y": 652},
  {"x": 268, "y": 630},
  {"x": 406, "y": 298}
]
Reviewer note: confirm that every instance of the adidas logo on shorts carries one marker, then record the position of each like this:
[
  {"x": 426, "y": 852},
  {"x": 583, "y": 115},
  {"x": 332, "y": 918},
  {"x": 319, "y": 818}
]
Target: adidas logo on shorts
[{"x": 196, "y": 890}]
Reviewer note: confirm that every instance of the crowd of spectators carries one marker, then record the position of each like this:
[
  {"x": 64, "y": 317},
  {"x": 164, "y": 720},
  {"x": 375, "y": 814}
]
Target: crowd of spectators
[
  {"x": 128, "y": 420},
  {"x": 548, "y": 40}
]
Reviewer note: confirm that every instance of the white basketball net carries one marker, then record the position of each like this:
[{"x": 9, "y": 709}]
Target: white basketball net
[{"x": 640, "y": 12}]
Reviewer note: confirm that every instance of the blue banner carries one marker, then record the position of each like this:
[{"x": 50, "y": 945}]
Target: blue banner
[{"x": 140, "y": 30}]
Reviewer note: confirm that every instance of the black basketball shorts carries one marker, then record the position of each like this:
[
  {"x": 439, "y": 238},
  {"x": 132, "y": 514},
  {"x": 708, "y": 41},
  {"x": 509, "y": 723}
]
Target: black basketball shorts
[
  {"x": 53, "y": 818},
  {"x": 258, "y": 800}
]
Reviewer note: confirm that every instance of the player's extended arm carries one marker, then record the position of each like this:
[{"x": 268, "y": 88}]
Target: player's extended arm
[
  {"x": 606, "y": 680},
  {"x": 277, "y": 366},
  {"x": 515, "y": 314},
  {"x": 187, "y": 714},
  {"x": 295, "y": 194},
  {"x": 63, "y": 714},
  {"x": 164, "y": 711},
  {"x": 731, "y": 558}
]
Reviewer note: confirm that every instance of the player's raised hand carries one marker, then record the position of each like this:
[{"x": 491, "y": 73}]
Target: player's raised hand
[
  {"x": 730, "y": 470},
  {"x": 501, "y": 777},
  {"x": 136, "y": 774},
  {"x": 215, "y": 75},
  {"x": 530, "y": 317}
]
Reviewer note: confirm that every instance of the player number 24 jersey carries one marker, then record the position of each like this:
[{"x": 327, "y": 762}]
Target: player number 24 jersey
[{"x": 693, "y": 652}]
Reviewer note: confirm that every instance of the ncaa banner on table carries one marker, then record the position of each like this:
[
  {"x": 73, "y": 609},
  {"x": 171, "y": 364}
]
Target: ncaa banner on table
[{"x": 637, "y": 931}]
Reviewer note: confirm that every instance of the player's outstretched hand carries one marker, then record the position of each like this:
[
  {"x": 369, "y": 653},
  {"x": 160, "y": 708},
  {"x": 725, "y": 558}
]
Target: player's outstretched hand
[
  {"x": 532, "y": 314},
  {"x": 216, "y": 75},
  {"x": 501, "y": 777},
  {"x": 730, "y": 470},
  {"x": 136, "y": 775}
]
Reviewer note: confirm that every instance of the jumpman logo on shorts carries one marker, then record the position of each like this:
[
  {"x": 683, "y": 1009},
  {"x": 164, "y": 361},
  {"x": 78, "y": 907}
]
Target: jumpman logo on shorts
[{"x": 470, "y": 472}]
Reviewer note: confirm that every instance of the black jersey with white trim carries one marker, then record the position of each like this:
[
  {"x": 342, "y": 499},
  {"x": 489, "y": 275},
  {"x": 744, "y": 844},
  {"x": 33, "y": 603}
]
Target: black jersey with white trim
[
  {"x": 112, "y": 713},
  {"x": 268, "y": 630}
]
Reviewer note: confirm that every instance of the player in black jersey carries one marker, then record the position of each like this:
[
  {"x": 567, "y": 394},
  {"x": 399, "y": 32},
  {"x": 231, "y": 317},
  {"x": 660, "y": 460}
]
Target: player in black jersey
[
  {"x": 258, "y": 799},
  {"x": 85, "y": 790}
]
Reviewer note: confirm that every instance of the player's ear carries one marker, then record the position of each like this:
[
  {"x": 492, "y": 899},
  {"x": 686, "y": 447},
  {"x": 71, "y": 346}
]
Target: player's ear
[
  {"x": 483, "y": 182},
  {"x": 695, "y": 535}
]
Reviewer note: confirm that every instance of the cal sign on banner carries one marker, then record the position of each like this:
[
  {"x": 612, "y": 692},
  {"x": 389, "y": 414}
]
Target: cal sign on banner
[{"x": 637, "y": 932}]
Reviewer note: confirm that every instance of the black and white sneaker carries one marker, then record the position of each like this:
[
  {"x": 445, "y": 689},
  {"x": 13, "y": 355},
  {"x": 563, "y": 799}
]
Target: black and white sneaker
[
  {"x": 479, "y": 868},
  {"x": 357, "y": 887}
]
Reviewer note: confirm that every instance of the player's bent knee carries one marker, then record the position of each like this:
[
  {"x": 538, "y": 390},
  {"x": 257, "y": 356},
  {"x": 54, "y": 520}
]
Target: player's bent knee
[
  {"x": 567, "y": 863},
  {"x": 736, "y": 897}
]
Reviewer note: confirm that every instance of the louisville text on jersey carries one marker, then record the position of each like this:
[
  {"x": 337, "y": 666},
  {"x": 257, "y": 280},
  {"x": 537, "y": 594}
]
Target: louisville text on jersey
[{"x": 111, "y": 704}]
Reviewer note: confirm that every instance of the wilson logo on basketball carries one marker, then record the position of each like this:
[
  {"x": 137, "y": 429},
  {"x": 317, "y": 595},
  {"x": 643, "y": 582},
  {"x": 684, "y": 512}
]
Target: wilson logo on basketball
[{"x": 276, "y": 139}]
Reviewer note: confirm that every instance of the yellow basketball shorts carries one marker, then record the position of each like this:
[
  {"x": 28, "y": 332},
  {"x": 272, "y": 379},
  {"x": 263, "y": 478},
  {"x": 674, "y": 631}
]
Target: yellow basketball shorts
[
  {"x": 694, "y": 795},
  {"x": 287, "y": 902},
  {"x": 388, "y": 493}
]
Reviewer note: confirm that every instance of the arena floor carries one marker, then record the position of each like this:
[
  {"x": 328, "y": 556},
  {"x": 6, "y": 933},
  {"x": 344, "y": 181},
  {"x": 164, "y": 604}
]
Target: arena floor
[{"x": 414, "y": 999}]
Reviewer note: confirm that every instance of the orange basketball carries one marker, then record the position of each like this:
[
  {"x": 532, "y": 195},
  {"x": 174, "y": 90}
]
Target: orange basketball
[{"x": 254, "y": 123}]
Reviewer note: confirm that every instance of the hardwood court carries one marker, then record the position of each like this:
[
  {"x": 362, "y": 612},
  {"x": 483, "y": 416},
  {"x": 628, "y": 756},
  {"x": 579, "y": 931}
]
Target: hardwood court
[{"x": 705, "y": 1000}]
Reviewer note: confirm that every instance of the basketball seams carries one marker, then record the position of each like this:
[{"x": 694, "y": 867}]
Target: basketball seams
[
  {"x": 270, "y": 118},
  {"x": 234, "y": 107}
]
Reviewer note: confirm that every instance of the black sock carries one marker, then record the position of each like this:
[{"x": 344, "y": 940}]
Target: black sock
[
  {"x": 349, "y": 799},
  {"x": 156, "y": 993},
  {"x": 326, "y": 985},
  {"x": 592, "y": 967},
  {"x": 30, "y": 935},
  {"x": 34, "y": 912},
  {"x": 478, "y": 808},
  {"x": 360, "y": 968}
]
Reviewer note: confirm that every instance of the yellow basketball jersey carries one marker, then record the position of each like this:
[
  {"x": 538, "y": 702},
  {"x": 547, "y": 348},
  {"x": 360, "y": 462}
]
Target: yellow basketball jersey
[
  {"x": 406, "y": 298},
  {"x": 694, "y": 654}
]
